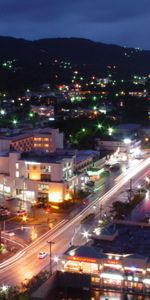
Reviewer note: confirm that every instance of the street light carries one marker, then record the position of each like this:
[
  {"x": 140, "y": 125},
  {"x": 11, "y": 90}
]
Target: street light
[
  {"x": 56, "y": 260},
  {"x": 110, "y": 130},
  {"x": 24, "y": 218},
  {"x": 86, "y": 235},
  {"x": 4, "y": 288}
]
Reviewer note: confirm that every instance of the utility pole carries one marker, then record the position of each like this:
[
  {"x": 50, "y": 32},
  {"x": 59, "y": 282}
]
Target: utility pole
[
  {"x": 100, "y": 210},
  {"x": 0, "y": 233},
  {"x": 130, "y": 190},
  {"x": 50, "y": 256}
]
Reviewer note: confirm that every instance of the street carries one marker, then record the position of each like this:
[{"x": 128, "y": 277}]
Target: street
[{"x": 26, "y": 264}]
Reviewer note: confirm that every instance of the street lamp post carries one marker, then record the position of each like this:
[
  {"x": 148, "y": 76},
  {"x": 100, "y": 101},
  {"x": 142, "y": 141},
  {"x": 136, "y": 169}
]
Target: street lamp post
[
  {"x": 50, "y": 256},
  {"x": 130, "y": 190},
  {"x": 100, "y": 210}
]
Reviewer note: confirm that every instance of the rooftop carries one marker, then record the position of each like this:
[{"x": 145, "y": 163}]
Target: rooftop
[
  {"x": 131, "y": 239},
  {"x": 84, "y": 154},
  {"x": 129, "y": 126},
  {"x": 84, "y": 251},
  {"x": 42, "y": 157}
]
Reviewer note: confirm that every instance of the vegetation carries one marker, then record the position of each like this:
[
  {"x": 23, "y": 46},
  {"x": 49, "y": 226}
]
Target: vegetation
[{"x": 122, "y": 209}]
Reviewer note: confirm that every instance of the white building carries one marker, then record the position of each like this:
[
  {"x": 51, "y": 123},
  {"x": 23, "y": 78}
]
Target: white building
[{"x": 34, "y": 175}]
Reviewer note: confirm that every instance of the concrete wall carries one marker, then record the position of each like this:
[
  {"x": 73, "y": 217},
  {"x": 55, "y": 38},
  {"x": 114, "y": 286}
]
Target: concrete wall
[
  {"x": 4, "y": 144},
  {"x": 4, "y": 164}
]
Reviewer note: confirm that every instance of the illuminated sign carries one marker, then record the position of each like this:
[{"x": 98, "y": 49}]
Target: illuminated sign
[
  {"x": 82, "y": 259},
  {"x": 111, "y": 262}
]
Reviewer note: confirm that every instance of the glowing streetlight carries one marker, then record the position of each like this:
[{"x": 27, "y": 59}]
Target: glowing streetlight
[
  {"x": 99, "y": 126},
  {"x": 110, "y": 131},
  {"x": 56, "y": 259},
  {"x": 24, "y": 218},
  {"x": 86, "y": 235},
  {"x": 4, "y": 288},
  {"x": 2, "y": 112},
  {"x": 14, "y": 121},
  {"x": 31, "y": 114}
]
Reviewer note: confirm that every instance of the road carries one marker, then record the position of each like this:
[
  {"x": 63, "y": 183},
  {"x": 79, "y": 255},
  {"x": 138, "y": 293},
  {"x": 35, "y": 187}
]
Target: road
[{"x": 26, "y": 264}]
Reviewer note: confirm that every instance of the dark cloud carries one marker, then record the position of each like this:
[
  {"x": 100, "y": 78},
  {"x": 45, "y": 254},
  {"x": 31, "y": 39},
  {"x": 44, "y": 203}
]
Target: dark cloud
[{"x": 112, "y": 21}]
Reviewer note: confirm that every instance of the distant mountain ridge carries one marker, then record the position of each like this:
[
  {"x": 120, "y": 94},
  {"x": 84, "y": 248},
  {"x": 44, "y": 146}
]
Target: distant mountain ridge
[{"x": 97, "y": 56}]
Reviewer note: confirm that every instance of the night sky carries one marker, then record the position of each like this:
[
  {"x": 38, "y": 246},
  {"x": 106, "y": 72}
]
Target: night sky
[{"x": 123, "y": 22}]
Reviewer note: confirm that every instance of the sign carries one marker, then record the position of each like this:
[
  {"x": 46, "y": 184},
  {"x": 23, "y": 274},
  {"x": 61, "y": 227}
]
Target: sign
[{"x": 82, "y": 259}]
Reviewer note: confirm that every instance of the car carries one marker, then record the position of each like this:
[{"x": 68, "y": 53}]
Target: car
[
  {"x": 9, "y": 199},
  {"x": 10, "y": 233},
  {"x": 90, "y": 183},
  {"x": 5, "y": 212},
  {"x": 21, "y": 212},
  {"x": 42, "y": 254},
  {"x": 115, "y": 167}
]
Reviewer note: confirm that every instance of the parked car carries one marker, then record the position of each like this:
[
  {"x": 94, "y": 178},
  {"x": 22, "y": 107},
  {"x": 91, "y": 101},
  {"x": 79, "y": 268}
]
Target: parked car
[
  {"x": 115, "y": 167},
  {"x": 21, "y": 212},
  {"x": 90, "y": 183},
  {"x": 5, "y": 212},
  {"x": 9, "y": 199},
  {"x": 42, "y": 254}
]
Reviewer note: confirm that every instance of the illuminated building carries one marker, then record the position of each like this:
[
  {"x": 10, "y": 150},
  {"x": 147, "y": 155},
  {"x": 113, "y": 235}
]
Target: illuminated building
[
  {"x": 47, "y": 139},
  {"x": 118, "y": 263},
  {"x": 35, "y": 174},
  {"x": 43, "y": 111},
  {"x": 31, "y": 167}
]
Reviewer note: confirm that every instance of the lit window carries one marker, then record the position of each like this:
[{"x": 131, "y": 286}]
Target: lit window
[
  {"x": 17, "y": 174},
  {"x": 17, "y": 166}
]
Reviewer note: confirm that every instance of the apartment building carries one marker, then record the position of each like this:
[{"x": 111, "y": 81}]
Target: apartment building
[{"x": 47, "y": 139}]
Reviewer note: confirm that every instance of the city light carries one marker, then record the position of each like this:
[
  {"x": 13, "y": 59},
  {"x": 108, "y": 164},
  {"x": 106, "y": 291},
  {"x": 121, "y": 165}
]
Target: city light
[
  {"x": 127, "y": 141},
  {"x": 56, "y": 259},
  {"x": 14, "y": 121},
  {"x": 111, "y": 276},
  {"x": 99, "y": 126},
  {"x": 4, "y": 288},
  {"x": 110, "y": 131},
  {"x": 24, "y": 218},
  {"x": 55, "y": 197},
  {"x": 2, "y": 112},
  {"x": 86, "y": 235}
]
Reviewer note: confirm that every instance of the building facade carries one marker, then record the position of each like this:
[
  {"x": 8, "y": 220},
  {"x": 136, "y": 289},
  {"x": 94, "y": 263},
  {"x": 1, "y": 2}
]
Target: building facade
[
  {"x": 47, "y": 139},
  {"x": 33, "y": 175}
]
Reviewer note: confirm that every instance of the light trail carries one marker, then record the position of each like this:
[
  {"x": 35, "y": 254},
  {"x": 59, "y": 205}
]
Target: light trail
[{"x": 14, "y": 270}]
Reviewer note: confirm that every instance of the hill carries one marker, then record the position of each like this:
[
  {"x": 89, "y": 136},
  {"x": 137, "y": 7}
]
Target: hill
[{"x": 29, "y": 62}]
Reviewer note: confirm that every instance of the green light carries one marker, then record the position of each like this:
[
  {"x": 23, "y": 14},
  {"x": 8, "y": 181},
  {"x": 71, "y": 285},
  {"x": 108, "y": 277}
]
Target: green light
[
  {"x": 99, "y": 126},
  {"x": 14, "y": 121},
  {"x": 31, "y": 114},
  {"x": 83, "y": 129}
]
